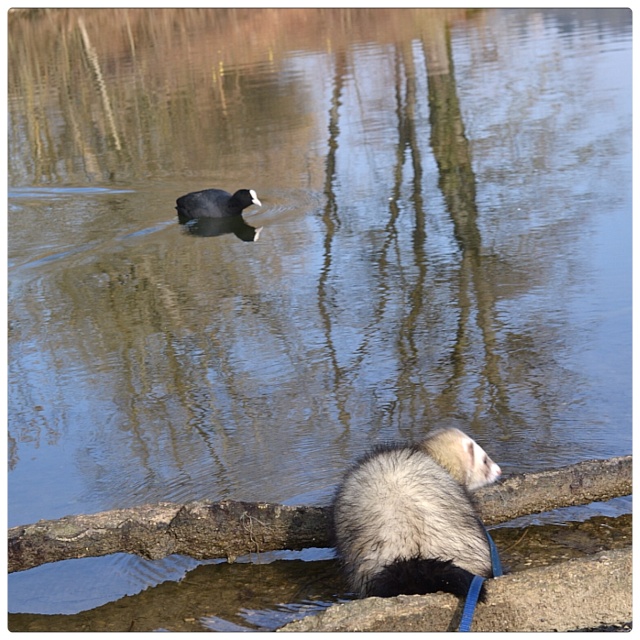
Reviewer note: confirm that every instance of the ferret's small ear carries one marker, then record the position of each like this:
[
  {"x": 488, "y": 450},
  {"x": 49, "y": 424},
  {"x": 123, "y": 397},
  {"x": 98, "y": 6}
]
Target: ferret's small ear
[{"x": 469, "y": 448}]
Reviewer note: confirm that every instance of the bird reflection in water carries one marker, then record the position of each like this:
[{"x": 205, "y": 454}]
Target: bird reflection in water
[{"x": 208, "y": 227}]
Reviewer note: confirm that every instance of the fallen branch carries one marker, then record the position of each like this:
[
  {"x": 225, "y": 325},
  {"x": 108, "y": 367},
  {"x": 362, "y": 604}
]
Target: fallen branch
[
  {"x": 229, "y": 529},
  {"x": 197, "y": 529},
  {"x": 581, "y": 483}
]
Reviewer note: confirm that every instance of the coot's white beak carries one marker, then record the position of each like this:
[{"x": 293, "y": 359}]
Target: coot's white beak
[{"x": 254, "y": 198}]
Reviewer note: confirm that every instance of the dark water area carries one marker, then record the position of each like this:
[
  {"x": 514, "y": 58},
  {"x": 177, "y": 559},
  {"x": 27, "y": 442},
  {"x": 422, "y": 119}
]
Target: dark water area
[{"x": 445, "y": 239}]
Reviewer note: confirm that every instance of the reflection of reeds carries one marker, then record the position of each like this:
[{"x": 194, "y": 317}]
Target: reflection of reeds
[
  {"x": 92, "y": 56},
  {"x": 162, "y": 75}
]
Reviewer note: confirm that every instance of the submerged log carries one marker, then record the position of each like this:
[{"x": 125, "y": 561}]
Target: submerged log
[{"x": 229, "y": 529}]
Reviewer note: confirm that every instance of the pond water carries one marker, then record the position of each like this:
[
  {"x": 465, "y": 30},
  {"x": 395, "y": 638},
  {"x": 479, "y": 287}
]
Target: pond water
[{"x": 446, "y": 239}]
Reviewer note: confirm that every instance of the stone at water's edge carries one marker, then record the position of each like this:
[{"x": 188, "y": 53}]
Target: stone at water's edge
[{"x": 578, "y": 594}]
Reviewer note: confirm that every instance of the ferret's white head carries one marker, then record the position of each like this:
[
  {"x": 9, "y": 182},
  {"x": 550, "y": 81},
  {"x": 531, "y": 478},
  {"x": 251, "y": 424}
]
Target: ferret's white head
[
  {"x": 482, "y": 469},
  {"x": 462, "y": 457}
]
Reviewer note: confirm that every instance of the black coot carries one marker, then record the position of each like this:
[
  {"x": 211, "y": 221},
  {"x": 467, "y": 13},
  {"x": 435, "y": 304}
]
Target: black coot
[{"x": 214, "y": 203}]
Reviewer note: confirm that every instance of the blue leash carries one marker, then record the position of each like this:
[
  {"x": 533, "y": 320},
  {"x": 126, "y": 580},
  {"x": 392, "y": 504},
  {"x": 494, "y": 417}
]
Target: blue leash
[
  {"x": 495, "y": 558},
  {"x": 470, "y": 603},
  {"x": 476, "y": 584}
]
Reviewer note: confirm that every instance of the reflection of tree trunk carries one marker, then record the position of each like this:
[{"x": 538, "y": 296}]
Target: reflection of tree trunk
[
  {"x": 332, "y": 222},
  {"x": 408, "y": 140},
  {"x": 391, "y": 251},
  {"x": 458, "y": 186}
]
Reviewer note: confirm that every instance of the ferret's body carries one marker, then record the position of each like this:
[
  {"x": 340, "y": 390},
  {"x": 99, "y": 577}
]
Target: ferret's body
[{"x": 404, "y": 521}]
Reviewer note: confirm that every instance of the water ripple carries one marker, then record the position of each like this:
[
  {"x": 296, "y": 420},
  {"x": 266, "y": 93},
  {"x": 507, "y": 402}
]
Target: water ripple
[{"x": 60, "y": 192}]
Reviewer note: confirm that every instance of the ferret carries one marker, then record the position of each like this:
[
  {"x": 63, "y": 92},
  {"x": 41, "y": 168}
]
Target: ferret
[{"x": 404, "y": 522}]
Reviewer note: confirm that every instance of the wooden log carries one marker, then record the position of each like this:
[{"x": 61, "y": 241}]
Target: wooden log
[
  {"x": 229, "y": 529},
  {"x": 580, "y": 483},
  {"x": 197, "y": 529}
]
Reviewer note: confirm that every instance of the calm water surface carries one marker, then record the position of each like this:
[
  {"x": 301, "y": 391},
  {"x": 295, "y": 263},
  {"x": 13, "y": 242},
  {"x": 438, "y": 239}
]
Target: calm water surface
[{"x": 446, "y": 239}]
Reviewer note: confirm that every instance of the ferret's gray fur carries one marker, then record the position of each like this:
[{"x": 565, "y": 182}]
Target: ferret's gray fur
[{"x": 407, "y": 502}]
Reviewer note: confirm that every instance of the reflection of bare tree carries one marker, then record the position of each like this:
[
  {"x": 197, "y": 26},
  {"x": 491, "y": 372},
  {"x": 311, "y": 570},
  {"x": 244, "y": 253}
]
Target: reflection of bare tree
[
  {"x": 332, "y": 223},
  {"x": 458, "y": 185},
  {"x": 408, "y": 141},
  {"x": 408, "y": 349}
]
